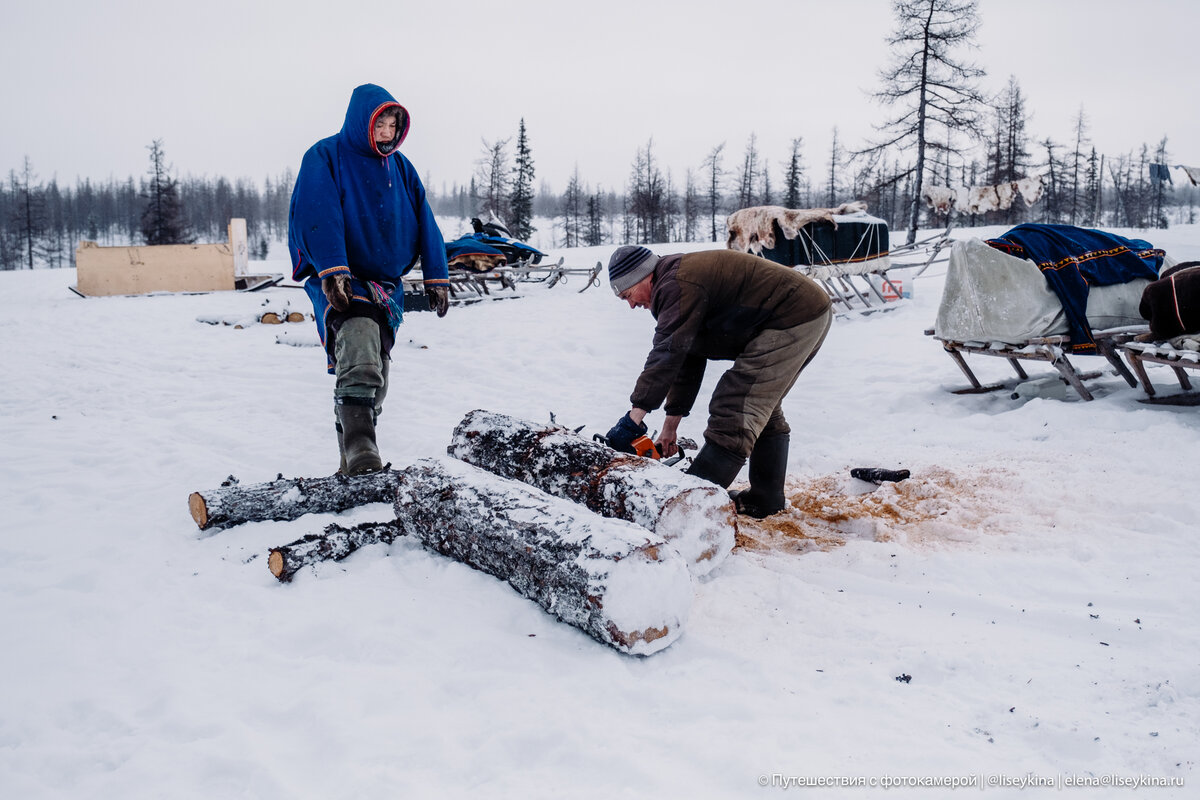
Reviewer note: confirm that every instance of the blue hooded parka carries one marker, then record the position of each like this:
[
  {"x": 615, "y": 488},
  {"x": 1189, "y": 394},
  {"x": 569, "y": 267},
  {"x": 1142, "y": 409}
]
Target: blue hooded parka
[{"x": 361, "y": 211}]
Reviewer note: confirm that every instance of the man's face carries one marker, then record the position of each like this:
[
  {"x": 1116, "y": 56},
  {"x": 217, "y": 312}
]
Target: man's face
[
  {"x": 638, "y": 295},
  {"x": 385, "y": 129}
]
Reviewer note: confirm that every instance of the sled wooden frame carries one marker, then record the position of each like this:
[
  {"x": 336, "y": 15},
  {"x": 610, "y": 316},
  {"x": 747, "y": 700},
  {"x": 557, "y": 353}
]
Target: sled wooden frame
[
  {"x": 933, "y": 245},
  {"x": 1048, "y": 349},
  {"x": 465, "y": 284},
  {"x": 848, "y": 297},
  {"x": 1139, "y": 353},
  {"x": 845, "y": 293}
]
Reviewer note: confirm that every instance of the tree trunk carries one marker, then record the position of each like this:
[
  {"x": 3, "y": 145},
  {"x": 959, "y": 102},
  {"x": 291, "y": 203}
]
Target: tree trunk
[
  {"x": 696, "y": 517},
  {"x": 612, "y": 579},
  {"x": 288, "y": 498}
]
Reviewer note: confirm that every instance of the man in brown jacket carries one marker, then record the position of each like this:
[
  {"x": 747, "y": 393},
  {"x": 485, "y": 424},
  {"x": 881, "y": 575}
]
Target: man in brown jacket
[{"x": 722, "y": 305}]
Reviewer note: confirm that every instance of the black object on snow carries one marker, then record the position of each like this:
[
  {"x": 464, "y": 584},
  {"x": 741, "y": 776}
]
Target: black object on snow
[{"x": 878, "y": 474}]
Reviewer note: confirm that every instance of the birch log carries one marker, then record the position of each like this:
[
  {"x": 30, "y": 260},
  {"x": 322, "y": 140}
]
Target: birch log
[
  {"x": 288, "y": 498},
  {"x": 614, "y": 580},
  {"x": 696, "y": 517}
]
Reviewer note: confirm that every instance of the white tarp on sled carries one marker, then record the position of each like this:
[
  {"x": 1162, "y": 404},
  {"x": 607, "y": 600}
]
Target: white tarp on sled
[{"x": 991, "y": 296}]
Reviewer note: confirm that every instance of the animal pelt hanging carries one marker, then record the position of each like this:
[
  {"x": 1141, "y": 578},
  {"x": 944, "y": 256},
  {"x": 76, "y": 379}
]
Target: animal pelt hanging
[
  {"x": 751, "y": 229},
  {"x": 982, "y": 199},
  {"x": 1172, "y": 303}
]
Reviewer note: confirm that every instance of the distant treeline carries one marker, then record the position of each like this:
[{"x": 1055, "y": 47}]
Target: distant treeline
[{"x": 42, "y": 222}]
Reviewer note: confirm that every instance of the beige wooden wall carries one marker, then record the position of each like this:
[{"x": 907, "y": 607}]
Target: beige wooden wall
[{"x": 103, "y": 271}]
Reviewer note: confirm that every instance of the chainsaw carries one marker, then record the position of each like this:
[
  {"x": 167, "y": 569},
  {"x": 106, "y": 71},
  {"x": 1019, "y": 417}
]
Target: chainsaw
[{"x": 645, "y": 447}]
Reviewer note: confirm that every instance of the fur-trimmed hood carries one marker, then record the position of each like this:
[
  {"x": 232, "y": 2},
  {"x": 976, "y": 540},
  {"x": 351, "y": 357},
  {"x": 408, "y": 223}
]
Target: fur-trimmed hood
[{"x": 367, "y": 102}]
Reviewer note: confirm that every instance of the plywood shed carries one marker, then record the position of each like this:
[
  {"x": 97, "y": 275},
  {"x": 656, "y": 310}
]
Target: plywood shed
[{"x": 103, "y": 271}]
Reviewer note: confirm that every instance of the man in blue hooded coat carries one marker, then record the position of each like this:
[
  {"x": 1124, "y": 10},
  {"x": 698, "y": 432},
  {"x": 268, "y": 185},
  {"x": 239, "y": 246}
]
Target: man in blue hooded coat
[{"x": 359, "y": 221}]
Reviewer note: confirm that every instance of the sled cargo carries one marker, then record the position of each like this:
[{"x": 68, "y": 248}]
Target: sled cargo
[{"x": 1071, "y": 299}]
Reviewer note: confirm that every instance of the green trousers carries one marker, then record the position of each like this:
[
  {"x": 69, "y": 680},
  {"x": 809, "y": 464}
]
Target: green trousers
[
  {"x": 360, "y": 365},
  {"x": 747, "y": 401}
]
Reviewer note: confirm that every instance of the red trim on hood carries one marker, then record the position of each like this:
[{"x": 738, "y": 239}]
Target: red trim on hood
[{"x": 402, "y": 133}]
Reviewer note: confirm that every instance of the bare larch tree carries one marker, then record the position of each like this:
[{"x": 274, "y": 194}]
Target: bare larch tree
[
  {"x": 493, "y": 180},
  {"x": 933, "y": 88}
]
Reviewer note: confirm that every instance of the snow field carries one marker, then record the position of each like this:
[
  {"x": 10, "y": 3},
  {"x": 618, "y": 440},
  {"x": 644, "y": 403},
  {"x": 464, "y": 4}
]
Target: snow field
[{"x": 1046, "y": 616}]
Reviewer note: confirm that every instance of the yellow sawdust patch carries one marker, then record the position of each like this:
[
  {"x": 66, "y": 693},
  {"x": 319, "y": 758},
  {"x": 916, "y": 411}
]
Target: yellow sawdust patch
[{"x": 933, "y": 505}]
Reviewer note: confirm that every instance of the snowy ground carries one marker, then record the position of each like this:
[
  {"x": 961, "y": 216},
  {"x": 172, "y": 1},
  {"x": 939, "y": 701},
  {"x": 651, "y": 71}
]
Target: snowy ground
[{"x": 1035, "y": 579}]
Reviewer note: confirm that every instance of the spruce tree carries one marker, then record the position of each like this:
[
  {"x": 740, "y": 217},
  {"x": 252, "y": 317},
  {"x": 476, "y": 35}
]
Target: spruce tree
[
  {"x": 572, "y": 211},
  {"x": 795, "y": 174},
  {"x": 162, "y": 218},
  {"x": 521, "y": 199},
  {"x": 595, "y": 220},
  {"x": 28, "y": 213}
]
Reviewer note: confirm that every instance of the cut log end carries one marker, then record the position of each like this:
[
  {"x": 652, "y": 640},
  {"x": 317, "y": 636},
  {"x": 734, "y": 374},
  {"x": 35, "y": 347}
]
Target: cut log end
[
  {"x": 199, "y": 509},
  {"x": 275, "y": 564},
  {"x": 270, "y": 318},
  {"x": 630, "y": 639}
]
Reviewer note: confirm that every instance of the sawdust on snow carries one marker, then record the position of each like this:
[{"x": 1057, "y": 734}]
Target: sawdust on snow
[{"x": 934, "y": 505}]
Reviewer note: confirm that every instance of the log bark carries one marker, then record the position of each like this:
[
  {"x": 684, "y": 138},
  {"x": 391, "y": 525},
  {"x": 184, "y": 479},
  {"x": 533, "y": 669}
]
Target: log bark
[
  {"x": 288, "y": 498},
  {"x": 333, "y": 544},
  {"x": 614, "y": 580},
  {"x": 694, "y": 516}
]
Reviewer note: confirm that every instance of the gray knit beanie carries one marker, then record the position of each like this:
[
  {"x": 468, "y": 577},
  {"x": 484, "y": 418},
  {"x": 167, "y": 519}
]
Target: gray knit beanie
[{"x": 628, "y": 266}]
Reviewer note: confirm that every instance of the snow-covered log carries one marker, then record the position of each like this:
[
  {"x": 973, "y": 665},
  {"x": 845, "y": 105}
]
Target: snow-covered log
[
  {"x": 615, "y": 580},
  {"x": 288, "y": 498},
  {"x": 332, "y": 544},
  {"x": 696, "y": 517}
]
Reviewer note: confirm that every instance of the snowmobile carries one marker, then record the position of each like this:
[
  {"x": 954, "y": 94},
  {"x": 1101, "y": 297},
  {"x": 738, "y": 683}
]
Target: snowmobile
[{"x": 490, "y": 256}]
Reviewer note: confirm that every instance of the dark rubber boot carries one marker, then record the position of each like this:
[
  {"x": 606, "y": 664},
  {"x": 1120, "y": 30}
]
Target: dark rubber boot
[
  {"x": 341, "y": 448},
  {"x": 768, "y": 468},
  {"x": 358, "y": 435},
  {"x": 716, "y": 464}
]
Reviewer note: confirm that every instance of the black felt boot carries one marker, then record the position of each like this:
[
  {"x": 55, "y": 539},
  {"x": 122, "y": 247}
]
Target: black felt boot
[
  {"x": 341, "y": 448},
  {"x": 716, "y": 464},
  {"x": 768, "y": 468},
  {"x": 357, "y": 418}
]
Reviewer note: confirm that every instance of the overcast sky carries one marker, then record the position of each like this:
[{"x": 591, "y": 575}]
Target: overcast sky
[{"x": 241, "y": 89}]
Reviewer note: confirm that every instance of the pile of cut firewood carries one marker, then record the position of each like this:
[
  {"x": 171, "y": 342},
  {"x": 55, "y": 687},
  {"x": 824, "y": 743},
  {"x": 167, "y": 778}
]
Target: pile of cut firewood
[
  {"x": 271, "y": 312},
  {"x": 607, "y": 542}
]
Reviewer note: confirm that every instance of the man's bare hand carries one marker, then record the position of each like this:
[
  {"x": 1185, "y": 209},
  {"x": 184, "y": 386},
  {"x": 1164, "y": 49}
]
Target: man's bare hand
[{"x": 667, "y": 439}]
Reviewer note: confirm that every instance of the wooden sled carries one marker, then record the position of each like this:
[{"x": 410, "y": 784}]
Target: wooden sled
[
  {"x": 1047, "y": 349},
  {"x": 922, "y": 254},
  {"x": 1139, "y": 353},
  {"x": 872, "y": 291},
  {"x": 467, "y": 286}
]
